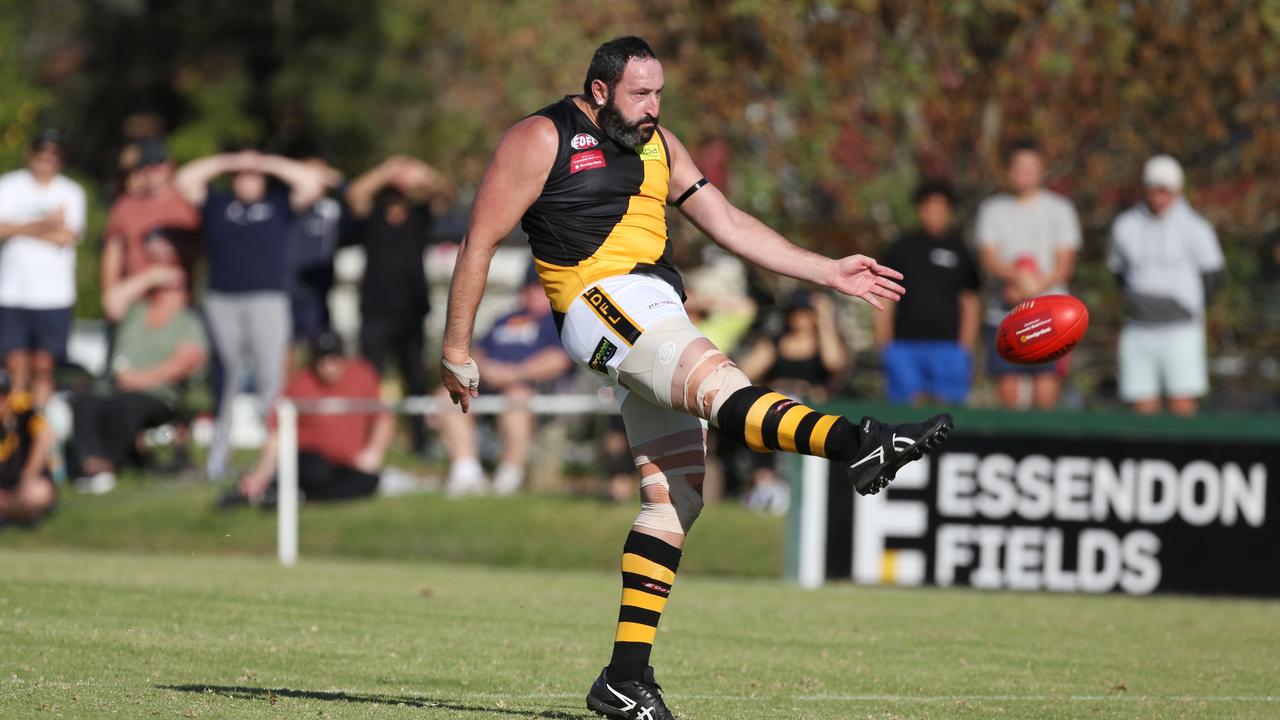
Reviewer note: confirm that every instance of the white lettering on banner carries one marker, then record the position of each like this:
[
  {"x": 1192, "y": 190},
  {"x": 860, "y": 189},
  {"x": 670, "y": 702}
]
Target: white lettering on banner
[
  {"x": 1248, "y": 496},
  {"x": 1034, "y": 559},
  {"x": 1080, "y": 489}
]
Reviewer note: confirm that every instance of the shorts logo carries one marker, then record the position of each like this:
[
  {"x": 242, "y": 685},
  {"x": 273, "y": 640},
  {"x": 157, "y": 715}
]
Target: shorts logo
[
  {"x": 601, "y": 356},
  {"x": 613, "y": 316},
  {"x": 586, "y": 160},
  {"x": 582, "y": 141},
  {"x": 650, "y": 152}
]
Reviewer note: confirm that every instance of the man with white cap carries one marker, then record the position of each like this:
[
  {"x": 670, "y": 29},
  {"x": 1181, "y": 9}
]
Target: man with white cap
[{"x": 1170, "y": 263}]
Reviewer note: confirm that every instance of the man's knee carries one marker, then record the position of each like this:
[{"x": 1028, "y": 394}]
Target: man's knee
[
  {"x": 671, "y": 500},
  {"x": 675, "y": 366}
]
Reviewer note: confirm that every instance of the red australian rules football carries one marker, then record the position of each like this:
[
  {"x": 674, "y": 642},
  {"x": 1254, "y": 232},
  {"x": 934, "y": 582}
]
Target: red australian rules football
[{"x": 1042, "y": 329}]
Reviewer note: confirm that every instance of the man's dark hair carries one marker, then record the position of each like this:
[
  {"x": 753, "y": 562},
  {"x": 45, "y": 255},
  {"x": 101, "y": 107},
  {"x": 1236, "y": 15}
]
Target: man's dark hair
[
  {"x": 934, "y": 186},
  {"x": 611, "y": 58},
  {"x": 1020, "y": 145}
]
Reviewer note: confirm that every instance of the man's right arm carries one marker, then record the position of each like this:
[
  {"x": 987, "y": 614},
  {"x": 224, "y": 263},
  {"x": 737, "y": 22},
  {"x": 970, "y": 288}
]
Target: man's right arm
[{"x": 512, "y": 182}]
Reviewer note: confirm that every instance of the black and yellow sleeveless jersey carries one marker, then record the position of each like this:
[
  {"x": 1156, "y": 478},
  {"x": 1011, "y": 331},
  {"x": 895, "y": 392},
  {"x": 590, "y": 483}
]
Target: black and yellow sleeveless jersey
[
  {"x": 602, "y": 211},
  {"x": 17, "y": 434}
]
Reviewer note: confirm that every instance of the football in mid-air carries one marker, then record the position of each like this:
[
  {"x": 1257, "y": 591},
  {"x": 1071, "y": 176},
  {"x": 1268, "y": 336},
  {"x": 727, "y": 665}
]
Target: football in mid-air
[{"x": 1042, "y": 329}]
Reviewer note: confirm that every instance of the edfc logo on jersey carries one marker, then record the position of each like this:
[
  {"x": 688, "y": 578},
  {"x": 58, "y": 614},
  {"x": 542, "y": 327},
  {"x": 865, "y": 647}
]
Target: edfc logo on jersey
[
  {"x": 650, "y": 152},
  {"x": 582, "y": 141}
]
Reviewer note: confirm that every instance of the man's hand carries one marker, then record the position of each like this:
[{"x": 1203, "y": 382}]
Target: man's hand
[
  {"x": 863, "y": 277},
  {"x": 368, "y": 460},
  {"x": 462, "y": 380},
  {"x": 253, "y": 484}
]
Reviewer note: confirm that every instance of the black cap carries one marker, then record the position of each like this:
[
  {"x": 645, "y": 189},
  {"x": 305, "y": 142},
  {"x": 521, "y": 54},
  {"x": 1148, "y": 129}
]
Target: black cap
[
  {"x": 151, "y": 151},
  {"x": 47, "y": 136},
  {"x": 325, "y": 344}
]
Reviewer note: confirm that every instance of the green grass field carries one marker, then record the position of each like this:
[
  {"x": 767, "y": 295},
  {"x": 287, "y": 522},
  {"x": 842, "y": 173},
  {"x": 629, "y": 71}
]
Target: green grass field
[{"x": 99, "y": 634}]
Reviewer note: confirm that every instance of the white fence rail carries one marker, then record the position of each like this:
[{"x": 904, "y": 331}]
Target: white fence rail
[{"x": 287, "y": 412}]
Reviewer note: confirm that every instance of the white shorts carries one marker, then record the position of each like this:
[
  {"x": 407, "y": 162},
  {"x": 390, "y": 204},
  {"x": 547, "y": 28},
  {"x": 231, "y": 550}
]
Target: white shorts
[
  {"x": 603, "y": 322},
  {"x": 1164, "y": 361}
]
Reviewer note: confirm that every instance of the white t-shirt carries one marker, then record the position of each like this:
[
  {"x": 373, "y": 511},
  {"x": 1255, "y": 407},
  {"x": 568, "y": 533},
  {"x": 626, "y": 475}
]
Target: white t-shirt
[
  {"x": 1165, "y": 255},
  {"x": 37, "y": 274},
  {"x": 1031, "y": 231}
]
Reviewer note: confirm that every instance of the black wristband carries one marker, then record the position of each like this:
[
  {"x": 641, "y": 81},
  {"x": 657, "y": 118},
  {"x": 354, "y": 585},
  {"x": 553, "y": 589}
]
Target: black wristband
[{"x": 692, "y": 189}]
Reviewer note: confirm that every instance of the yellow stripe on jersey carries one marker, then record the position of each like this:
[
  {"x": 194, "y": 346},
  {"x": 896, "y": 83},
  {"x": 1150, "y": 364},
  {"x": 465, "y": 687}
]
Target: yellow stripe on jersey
[{"x": 640, "y": 237}]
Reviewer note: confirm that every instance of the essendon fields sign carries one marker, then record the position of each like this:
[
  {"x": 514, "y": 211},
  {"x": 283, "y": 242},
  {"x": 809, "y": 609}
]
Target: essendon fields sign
[{"x": 1097, "y": 515}]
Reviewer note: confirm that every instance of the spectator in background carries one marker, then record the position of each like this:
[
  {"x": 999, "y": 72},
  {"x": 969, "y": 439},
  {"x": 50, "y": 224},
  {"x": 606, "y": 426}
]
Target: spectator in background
[
  {"x": 246, "y": 305},
  {"x": 1170, "y": 263},
  {"x": 312, "y": 241},
  {"x": 807, "y": 356},
  {"x": 927, "y": 337},
  {"x": 149, "y": 202},
  {"x": 42, "y": 214},
  {"x": 803, "y": 362},
  {"x": 26, "y": 443},
  {"x": 339, "y": 454},
  {"x": 520, "y": 355},
  {"x": 393, "y": 205},
  {"x": 159, "y": 347},
  {"x": 1027, "y": 242}
]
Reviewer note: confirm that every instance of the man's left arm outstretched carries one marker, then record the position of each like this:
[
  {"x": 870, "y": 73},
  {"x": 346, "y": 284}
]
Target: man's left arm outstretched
[{"x": 745, "y": 236}]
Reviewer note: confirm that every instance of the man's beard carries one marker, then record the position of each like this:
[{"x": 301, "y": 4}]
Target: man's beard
[{"x": 617, "y": 129}]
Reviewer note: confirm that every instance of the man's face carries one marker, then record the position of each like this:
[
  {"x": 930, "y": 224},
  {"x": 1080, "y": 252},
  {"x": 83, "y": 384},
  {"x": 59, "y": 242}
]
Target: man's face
[
  {"x": 1026, "y": 171},
  {"x": 160, "y": 251},
  {"x": 631, "y": 110},
  {"x": 934, "y": 212},
  {"x": 44, "y": 161},
  {"x": 156, "y": 177},
  {"x": 534, "y": 299},
  {"x": 249, "y": 186},
  {"x": 329, "y": 368},
  {"x": 1159, "y": 198}
]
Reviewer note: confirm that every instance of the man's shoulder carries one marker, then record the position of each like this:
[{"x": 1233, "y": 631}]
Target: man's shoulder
[{"x": 15, "y": 179}]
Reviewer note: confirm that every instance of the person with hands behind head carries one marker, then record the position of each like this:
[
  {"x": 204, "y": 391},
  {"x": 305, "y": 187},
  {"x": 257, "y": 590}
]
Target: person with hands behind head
[
  {"x": 589, "y": 177},
  {"x": 245, "y": 239},
  {"x": 394, "y": 205}
]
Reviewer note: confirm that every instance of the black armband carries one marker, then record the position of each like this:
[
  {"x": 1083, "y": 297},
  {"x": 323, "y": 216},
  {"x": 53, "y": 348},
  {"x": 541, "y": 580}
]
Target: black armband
[{"x": 692, "y": 189}]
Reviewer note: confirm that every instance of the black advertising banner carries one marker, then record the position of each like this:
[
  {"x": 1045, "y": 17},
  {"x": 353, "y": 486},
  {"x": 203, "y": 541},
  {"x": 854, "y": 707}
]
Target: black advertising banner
[{"x": 1068, "y": 515}]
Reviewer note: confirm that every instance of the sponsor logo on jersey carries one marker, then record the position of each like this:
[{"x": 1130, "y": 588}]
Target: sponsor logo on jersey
[
  {"x": 650, "y": 152},
  {"x": 586, "y": 160},
  {"x": 601, "y": 356},
  {"x": 582, "y": 141}
]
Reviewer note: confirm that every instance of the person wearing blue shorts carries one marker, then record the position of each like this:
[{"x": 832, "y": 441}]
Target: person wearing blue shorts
[{"x": 927, "y": 337}]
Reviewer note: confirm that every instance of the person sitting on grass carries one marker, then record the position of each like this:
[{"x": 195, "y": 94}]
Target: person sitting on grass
[
  {"x": 26, "y": 490},
  {"x": 160, "y": 345},
  {"x": 340, "y": 455}
]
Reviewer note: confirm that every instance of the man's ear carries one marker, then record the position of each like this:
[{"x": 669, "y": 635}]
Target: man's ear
[{"x": 599, "y": 92}]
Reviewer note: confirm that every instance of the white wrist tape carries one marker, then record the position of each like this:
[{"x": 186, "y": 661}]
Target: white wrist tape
[{"x": 468, "y": 373}]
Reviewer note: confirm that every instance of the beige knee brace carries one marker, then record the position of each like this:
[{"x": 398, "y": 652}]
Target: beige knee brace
[
  {"x": 671, "y": 447},
  {"x": 674, "y": 366}
]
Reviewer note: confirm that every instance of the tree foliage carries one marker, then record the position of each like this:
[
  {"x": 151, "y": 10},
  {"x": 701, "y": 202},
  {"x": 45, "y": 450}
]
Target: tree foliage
[{"x": 817, "y": 115}]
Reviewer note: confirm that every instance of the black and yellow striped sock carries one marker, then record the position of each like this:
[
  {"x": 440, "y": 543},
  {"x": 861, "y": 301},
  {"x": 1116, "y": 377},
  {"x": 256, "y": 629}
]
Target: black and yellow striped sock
[
  {"x": 766, "y": 420},
  {"x": 648, "y": 569}
]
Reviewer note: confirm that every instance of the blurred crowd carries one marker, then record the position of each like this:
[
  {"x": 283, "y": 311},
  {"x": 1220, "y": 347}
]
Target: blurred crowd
[{"x": 216, "y": 277}]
